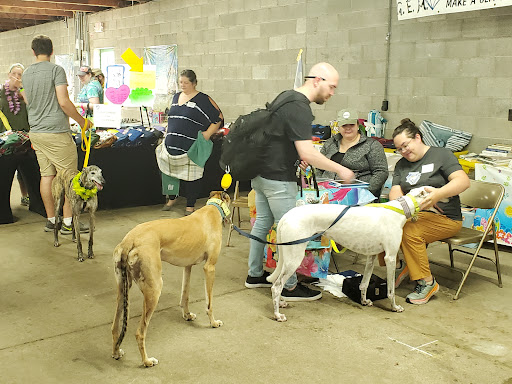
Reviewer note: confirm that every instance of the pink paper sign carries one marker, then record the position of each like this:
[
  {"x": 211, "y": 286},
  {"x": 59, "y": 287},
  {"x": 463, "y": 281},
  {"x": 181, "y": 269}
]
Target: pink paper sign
[{"x": 118, "y": 95}]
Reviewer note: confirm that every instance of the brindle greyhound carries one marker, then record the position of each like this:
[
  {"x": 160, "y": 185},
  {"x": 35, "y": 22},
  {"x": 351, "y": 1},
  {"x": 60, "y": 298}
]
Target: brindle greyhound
[{"x": 80, "y": 190}]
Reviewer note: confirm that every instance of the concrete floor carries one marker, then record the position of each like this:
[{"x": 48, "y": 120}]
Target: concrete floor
[{"x": 56, "y": 315}]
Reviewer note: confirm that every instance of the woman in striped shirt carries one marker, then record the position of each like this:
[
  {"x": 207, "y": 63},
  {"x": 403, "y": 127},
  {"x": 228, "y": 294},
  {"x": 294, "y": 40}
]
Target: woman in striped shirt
[{"x": 191, "y": 111}]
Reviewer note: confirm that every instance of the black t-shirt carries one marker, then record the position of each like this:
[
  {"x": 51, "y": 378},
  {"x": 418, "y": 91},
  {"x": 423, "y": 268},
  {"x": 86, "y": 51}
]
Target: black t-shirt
[
  {"x": 338, "y": 157},
  {"x": 432, "y": 170},
  {"x": 281, "y": 153}
]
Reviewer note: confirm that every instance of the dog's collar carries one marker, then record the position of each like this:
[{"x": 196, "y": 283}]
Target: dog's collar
[
  {"x": 405, "y": 207},
  {"x": 407, "y": 211},
  {"x": 220, "y": 205},
  {"x": 416, "y": 205},
  {"x": 83, "y": 192}
]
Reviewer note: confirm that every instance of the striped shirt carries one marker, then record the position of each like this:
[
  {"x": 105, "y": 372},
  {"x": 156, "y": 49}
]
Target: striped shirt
[{"x": 186, "y": 120}]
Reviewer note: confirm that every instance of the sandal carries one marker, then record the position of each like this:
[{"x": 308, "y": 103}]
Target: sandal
[
  {"x": 167, "y": 206},
  {"x": 188, "y": 211}
]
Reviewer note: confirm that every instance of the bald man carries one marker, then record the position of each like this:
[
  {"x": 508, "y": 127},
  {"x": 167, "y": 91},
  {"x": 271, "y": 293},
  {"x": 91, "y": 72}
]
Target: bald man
[{"x": 276, "y": 186}]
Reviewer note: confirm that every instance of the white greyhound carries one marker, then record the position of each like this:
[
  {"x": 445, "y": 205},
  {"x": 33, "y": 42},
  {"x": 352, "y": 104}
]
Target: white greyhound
[{"x": 368, "y": 230}]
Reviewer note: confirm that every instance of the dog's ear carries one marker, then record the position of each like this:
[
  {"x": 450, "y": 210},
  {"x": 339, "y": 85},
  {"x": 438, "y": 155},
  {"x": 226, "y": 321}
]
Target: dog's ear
[
  {"x": 225, "y": 197},
  {"x": 213, "y": 193},
  {"x": 85, "y": 173}
]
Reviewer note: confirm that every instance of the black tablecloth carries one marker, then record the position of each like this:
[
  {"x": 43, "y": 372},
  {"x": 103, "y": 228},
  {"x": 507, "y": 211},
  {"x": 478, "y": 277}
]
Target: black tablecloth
[
  {"x": 29, "y": 168},
  {"x": 131, "y": 173},
  {"x": 133, "y": 178}
]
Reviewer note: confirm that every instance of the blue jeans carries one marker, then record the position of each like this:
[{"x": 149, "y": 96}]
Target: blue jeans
[{"x": 273, "y": 199}]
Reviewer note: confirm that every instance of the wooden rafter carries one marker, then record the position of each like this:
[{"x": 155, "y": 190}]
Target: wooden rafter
[
  {"x": 28, "y": 5},
  {"x": 16, "y": 14},
  {"x": 30, "y": 12}
]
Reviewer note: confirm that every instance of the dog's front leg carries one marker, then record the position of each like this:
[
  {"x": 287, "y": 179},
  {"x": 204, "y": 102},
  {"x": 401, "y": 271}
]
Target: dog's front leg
[
  {"x": 92, "y": 219},
  {"x": 76, "y": 232},
  {"x": 58, "y": 207},
  {"x": 209, "y": 274},
  {"x": 185, "y": 289},
  {"x": 390, "y": 269},
  {"x": 368, "y": 269}
]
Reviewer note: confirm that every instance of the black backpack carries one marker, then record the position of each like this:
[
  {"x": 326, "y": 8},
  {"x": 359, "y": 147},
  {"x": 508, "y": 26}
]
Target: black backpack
[{"x": 244, "y": 149}]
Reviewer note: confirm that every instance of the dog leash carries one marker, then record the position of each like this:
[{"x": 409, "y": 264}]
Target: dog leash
[
  {"x": 86, "y": 143},
  {"x": 305, "y": 240},
  {"x": 5, "y": 121},
  {"x": 81, "y": 191}
]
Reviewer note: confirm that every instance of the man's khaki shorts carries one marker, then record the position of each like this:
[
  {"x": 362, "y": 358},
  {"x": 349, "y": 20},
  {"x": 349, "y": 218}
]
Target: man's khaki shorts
[{"x": 54, "y": 151}]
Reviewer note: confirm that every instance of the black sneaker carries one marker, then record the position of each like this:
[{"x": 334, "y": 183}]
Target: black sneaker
[
  {"x": 65, "y": 230},
  {"x": 49, "y": 227},
  {"x": 258, "y": 282},
  {"x": 301, "y": 293}
]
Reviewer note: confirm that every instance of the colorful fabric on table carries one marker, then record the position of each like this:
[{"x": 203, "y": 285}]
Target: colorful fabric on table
[
  {"x": 14, "y": 142},
  {"x": 251, "y": 201},
  {"x": 334, "y": 193},
  {"x": 316, "y": 259},
  {"x": 503, "y": 218}
]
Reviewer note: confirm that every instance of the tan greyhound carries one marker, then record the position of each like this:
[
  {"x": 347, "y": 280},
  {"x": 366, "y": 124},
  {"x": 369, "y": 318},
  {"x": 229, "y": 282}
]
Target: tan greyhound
[{"x": 183, "y": 242}]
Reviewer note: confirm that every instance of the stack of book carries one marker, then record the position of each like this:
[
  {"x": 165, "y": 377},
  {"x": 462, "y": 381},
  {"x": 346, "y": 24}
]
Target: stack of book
[
  {"x": 498, "y": 154},
  {"x": 498, "y": 150}
]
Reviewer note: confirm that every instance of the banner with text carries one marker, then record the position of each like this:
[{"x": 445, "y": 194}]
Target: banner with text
[{"x": 411, "y": 9}]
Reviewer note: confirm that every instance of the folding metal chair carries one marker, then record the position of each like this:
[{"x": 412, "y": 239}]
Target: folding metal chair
[
  {"x": 237, "y": 203},
  {"x": 484, "y": 195}
]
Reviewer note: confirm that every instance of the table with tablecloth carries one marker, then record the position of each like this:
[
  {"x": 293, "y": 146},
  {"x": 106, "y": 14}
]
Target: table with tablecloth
[
  {"x": 26, "y": 163},
  {"x": 131, "y": 173},
  {"x": 133, "y": 178}
]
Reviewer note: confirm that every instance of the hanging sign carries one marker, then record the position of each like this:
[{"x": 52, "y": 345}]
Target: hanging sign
[
  {"x": 411, "y": 9},
  {"x": 107, "y": 115}
]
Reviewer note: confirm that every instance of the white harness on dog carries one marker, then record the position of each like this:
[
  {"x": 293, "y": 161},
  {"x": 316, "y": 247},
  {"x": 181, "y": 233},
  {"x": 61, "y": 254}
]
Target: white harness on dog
[
  {"x": 220, "y": 205},
  {"x": 405, "y": 207}
]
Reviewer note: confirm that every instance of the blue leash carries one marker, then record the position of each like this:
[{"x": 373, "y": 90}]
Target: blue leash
[{"x": 313, "y": 237}]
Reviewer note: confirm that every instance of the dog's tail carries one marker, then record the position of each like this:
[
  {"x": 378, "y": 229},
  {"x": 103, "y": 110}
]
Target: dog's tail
[
  {"x": 279, "y": 266},
  {"x": 276, "y": 272},
  {"x": 120, "y": 263}
]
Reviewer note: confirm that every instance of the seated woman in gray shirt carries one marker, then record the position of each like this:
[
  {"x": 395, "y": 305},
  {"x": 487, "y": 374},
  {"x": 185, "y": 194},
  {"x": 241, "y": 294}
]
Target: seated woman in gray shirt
[
  {"x": 364, "y": 156},
  {"x": 439, "y": 169}
]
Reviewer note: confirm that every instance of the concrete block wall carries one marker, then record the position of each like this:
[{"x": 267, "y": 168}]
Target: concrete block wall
[
  {"x": 16, "y": 43},
  {"x": 450, "y": 69}
]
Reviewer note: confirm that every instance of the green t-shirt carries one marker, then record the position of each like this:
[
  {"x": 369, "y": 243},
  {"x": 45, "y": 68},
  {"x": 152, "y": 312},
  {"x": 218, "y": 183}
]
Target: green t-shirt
[
  {"x": 92, "y": 89},
  {"x": 44, "y": 112},
  {"x": 432, "y": 170},
  {"x": 18, "y": 122}
]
